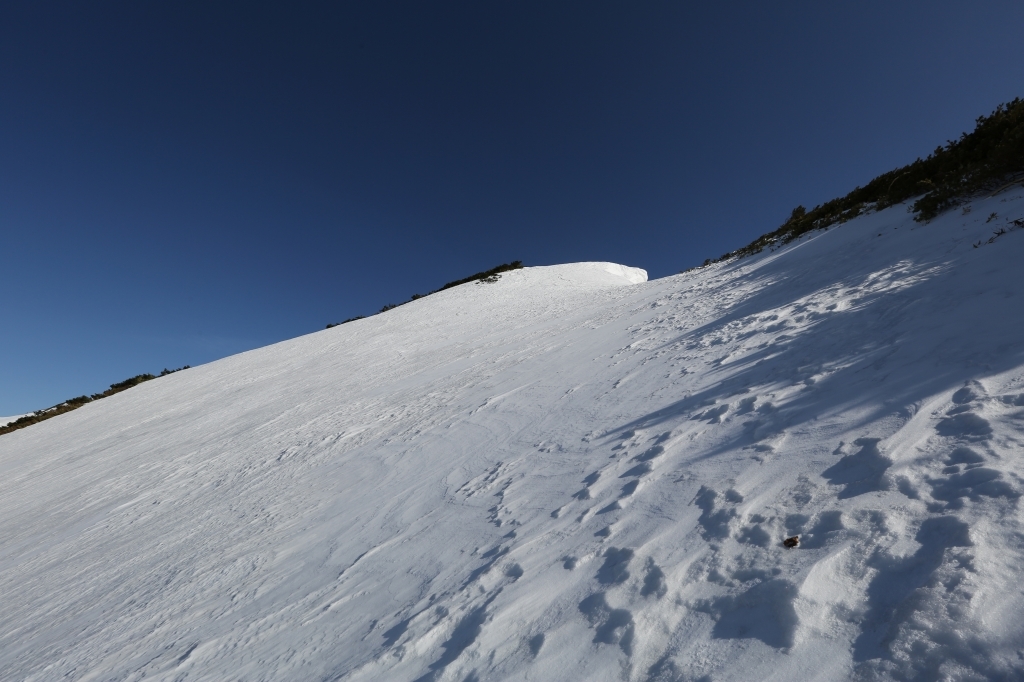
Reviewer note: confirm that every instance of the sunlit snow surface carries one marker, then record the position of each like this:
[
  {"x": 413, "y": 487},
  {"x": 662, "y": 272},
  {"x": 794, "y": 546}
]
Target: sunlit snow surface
[{"x": 561, "y": 475}]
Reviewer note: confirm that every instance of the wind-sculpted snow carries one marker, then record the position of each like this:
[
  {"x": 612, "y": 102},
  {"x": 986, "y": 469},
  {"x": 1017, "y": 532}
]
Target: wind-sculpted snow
[{"x": 566, "y": 474}]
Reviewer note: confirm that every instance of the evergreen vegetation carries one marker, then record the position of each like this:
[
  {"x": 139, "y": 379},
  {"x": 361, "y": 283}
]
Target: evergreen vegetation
[
  {"x": 485, "y": 276},
  {"x": 75, "y": 403},
  {"x": 351, "y": 319},
  {"x": 488, "y": 276},
  {"x": 988, "y": 159}
]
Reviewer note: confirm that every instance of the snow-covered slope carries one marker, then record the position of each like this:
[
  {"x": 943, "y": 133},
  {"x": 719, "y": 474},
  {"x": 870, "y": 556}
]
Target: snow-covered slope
[
  {"x": 4, "y": 421},
  {"x": 568, "y": 474}
]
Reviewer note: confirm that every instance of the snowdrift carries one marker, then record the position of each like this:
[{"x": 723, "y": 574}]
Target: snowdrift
[{"x": 568, "y": 474}]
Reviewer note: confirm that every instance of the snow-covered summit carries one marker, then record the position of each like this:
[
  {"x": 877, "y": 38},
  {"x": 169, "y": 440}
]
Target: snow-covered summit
[
  {"x": 567, "y": 473},
  {"x": 579, "y": 275}
]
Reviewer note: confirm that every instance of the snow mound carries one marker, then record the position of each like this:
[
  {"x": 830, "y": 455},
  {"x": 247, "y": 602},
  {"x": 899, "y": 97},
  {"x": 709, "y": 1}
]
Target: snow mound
[
  {"x": 577, "y": 275},
  {"x": 555, "y": 476},
  {"x": 631, "y": 275}
]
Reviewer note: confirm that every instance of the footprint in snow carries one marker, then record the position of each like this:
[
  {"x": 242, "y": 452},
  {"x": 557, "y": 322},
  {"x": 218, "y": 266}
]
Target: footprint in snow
[
  {"x": 615, "y": 569},
  {"x": 972, "y": 484},
  {"x": 611, "y": 626},
  {"x": 861, "y": 472},
  {"x": 649, "y": 454},
  {"x": 966, "y": 477},
  {"x": 964, "y": 425},
  {"x": 654, "y": 580},
  {"x": 714, "y": 415},
  {"x": 716, "y": 512},
  {"x": 535, "y": 643},
  {"x": 898, "y": 593},
  {"x": 1016, "y": 400},
  {"x": 766, "y": 611},
  {"x": 827, "y": 525}
]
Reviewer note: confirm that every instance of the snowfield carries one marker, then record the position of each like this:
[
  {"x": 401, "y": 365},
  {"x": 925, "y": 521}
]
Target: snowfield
[{"x": 567, "y": 474}]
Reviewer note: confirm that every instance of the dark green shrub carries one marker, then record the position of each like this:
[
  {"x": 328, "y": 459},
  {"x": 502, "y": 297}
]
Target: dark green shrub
[
  {"x": 75, "y": 403},
  {"x": 985, "y": 160},
  {"x": 134, "y": 381},
  {"x": 351, "y": 319},
  {"x": 491, "y": 275},
  {"x": 514, "y": 265}
]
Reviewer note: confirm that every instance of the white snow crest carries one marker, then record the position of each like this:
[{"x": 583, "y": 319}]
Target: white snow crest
[
  {"x": 558, "y": 475},
  {"x": 631, "y": 275},
  {"x": 584, "y": 275}
]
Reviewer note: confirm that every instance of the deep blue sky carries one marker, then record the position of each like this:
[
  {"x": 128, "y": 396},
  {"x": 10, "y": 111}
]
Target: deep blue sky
[{"x": 183, "y": 181}]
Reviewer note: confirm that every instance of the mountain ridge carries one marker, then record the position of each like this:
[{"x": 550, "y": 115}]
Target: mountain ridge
[{"x": 561, "y": 475}]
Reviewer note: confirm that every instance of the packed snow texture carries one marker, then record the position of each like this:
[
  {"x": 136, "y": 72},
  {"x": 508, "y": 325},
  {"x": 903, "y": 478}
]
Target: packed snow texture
[{"x": 566, "y": 474}]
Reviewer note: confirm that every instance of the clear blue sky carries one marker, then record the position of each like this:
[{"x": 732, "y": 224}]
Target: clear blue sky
[{"x": 183, "y": 181}]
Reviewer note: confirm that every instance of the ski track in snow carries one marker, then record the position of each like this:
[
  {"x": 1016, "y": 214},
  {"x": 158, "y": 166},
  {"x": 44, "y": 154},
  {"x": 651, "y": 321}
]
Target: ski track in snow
[{"x": 564, "y": 474}]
